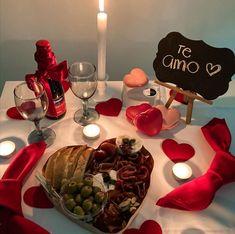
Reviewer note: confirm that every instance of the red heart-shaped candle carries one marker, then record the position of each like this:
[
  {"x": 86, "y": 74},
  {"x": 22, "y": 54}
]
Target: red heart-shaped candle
[
  {"x": 177, "y": 152},
  {"x": 149, "y": 122},
  {"x": 132, "y": 111},
  {"x": 111, "y": 107},
  {"x": 147, "y": 227}
]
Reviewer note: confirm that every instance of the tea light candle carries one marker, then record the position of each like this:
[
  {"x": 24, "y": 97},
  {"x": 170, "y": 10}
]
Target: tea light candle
[
  {"x": 91, "y": 131},
  {"x": 182, "y": 171},
  {"x": 7, "y": 148}
]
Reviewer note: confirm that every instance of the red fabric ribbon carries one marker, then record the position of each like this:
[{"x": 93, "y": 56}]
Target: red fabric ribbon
[
  {"x": 199, "y": 193},
  {"x": 58, "y": 72},
  {"x": 12, "y": 220}
]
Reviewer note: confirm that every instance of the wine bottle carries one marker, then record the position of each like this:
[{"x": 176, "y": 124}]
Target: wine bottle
[{"x": 46, "y": 59}]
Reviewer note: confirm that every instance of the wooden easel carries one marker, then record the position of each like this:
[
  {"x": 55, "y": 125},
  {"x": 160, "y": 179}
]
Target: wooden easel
[{"x": 189, "y": 98}]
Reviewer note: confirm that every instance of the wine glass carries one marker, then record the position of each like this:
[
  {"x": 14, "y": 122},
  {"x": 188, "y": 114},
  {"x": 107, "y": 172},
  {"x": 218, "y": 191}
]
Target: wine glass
[
  {"x": 32, "y": 103},
  {"x": 83, "y": 83}
]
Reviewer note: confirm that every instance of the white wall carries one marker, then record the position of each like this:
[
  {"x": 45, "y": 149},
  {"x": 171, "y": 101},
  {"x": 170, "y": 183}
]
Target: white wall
[{"x": 134, "y": 30}]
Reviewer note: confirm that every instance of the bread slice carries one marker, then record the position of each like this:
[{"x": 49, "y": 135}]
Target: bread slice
[
  {"x": 73, "y": 161},
  {"x": 59, "y": 166},
  {"x": 67, "y": 162},
  {"x": 82, "y": 163}
]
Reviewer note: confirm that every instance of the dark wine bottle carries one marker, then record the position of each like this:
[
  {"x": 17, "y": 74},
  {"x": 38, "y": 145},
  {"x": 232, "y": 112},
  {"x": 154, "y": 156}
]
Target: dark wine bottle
[
  {"x": 58, "y": 108},
  {"x": 46, "y": 60}
]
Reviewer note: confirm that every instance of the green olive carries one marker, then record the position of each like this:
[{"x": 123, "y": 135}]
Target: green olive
[
  {"x": 64, "y": 188},
  {"x": 78, "y": 199},
  {"x": 88, "y": 181},
  {"x": 78, "y": 211},
  {"x": 80, "y": 185},
  {"x": 87, "y": 205},
  {"x": 70, "y": 204},
  {"x": 86, "y": 191},
  {"x": 67, "y": 196},
  {"x": 96, "y": 189},
  {"x": 99, "y": 197},
  {"x": 72, "y": 187},
  {"x": 95, "y": 208}
]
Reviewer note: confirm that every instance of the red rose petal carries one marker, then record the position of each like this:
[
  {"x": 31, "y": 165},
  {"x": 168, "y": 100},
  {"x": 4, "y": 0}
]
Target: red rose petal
[
  {"x": 36, "y": 197},
  {"x": 112, "y": 107},
  {"x": 177, "y": 152},
  {"x": 14, "y": 114},
  {"x": 147, "y": 227}
]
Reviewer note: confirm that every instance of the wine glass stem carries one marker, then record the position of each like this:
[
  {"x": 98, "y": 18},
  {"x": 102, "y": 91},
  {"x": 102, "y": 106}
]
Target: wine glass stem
[
  {"x": 85, "y": 108},
  {"x": 37, "y": 126}
]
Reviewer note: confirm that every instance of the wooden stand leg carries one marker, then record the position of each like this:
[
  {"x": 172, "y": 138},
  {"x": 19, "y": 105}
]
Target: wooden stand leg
[
  {"x": 171, "y": 99},
  {"x": 189, "y": 110}
]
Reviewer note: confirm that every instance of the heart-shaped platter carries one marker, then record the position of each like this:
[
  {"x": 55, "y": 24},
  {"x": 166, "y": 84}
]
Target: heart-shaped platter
[{"x": 122, "y": 167}]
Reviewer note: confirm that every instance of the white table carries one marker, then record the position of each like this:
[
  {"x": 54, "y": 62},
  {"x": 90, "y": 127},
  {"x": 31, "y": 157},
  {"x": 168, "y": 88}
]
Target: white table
[{"x": 218, "y": 218}]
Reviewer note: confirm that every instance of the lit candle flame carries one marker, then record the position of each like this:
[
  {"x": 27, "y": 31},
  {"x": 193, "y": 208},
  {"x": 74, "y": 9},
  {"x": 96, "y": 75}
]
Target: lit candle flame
[{"x": 101, "y": 5}]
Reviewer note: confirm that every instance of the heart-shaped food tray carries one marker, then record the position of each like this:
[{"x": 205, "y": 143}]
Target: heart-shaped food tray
[{"x": 118, "y": 172}]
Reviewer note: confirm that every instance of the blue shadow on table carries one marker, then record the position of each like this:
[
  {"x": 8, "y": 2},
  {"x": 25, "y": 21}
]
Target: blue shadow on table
[{"x": 169, "y": 177}]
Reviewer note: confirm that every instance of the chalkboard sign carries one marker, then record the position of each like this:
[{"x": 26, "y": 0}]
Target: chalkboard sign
[{"x": 194, "y": 65}]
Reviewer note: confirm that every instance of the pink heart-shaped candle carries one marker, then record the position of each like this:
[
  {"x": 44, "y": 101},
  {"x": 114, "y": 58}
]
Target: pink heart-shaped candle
[
  {"x": 177, "y": 152},
  {"x": 171, "y": 117},
  {"x": 149, "y": 122},
  {"x": 111, "y": 107},
  {"x": 132, "y": 111},
  {"x": 136, "y": 78},
  {"x": 147, "y": 227}
]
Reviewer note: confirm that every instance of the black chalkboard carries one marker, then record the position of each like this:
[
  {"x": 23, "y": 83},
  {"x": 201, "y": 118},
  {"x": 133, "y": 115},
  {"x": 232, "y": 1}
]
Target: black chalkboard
[{"x": 193, "y": 65}]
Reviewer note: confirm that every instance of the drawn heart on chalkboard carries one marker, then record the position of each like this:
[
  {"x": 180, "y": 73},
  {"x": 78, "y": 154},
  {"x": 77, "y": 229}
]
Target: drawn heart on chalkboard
[{"x": 212, "y": 69}]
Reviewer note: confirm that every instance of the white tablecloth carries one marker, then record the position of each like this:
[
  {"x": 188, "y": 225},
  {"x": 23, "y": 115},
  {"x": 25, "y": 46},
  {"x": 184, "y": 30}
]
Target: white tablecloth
[{"x": 218, "y": 218}]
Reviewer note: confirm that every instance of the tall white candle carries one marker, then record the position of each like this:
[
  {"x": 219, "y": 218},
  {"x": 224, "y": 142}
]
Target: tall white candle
[{"x": 102, "y": 29}]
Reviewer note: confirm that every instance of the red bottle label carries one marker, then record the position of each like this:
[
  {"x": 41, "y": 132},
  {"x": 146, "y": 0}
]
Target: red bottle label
[{"x": 56, "y": 107}]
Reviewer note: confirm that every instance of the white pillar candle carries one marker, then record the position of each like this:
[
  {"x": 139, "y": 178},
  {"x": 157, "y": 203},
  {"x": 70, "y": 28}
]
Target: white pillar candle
[
  {"x": 182, "y": 171},
  {"x": 102, "y": 29},
  {"x": 91, "y": 131},
  {"x": 7, "y": 148}
]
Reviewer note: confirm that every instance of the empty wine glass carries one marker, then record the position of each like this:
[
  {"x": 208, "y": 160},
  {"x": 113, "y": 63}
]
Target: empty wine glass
[
  {"x": 32, "y": 103},
  {"x": 83, "y": 83}
]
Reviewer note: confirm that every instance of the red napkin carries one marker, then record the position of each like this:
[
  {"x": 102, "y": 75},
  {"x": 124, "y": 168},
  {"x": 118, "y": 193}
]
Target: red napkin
[
  {"x": 199, "y": 193},
  {"x": 11, "y": 215}
]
